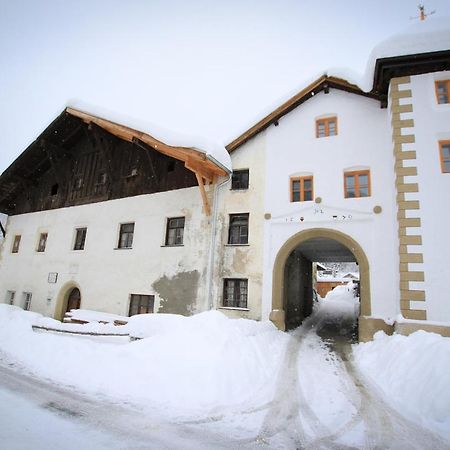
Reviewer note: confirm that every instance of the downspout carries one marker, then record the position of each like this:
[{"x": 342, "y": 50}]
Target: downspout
[{"x": 209, "y": 271}]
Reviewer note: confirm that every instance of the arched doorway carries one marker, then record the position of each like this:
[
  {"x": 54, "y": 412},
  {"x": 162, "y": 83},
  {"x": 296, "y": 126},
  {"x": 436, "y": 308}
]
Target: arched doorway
[
  {"x": 69, "y": 297},
  {"x": 292, "y": 273},
  {"x": 74, "y": 300}
]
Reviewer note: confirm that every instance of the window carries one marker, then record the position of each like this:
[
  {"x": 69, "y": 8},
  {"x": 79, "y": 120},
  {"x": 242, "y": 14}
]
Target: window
[
  {"x": 443, "y": 91},
  {"x": 357, "y": 184},
  {"x": 301, "y": 189},
  {"x": 235, "y": 292},
  {"x": 239, "y": 179},
  {"x": 175, "y": 231},
  {"x": 126, "y": 235},
  {"x": 16, "y": 243},
  {"x": 42, "y": 242},
  {"x": 80, "y": 238},
  {"x": 141, "y": 304},
  {"x": 10, "y": 297},
  {"x": 26, "y": 301},
  {"x": 326, "y": 127},
  {"x": 238, "y": 232},
  {"x": 54, "y": 190},
  {"x": 444, "y": 147}
]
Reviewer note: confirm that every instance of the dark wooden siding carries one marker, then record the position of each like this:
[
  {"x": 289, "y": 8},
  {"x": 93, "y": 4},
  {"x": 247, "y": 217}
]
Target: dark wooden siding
[{"x": 72, "y": 163}]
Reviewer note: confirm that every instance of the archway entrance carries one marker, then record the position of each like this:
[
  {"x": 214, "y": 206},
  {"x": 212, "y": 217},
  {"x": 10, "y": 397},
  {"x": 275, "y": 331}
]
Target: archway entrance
[
  {"x": 292, "y": 291},
  {"x": 74, "y": 300},
  {"x": 69, "y": 297}
]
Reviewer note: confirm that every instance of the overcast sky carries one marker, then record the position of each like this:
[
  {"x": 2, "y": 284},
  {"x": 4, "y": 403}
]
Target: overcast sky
[{"x": 207, "y": 68}]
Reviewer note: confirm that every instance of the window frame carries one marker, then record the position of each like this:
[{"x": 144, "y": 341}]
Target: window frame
[
  {"x": 357, "y": 174},
  {"x": 238, "y": 181},
  {"x": 124, "y": 243},
  {"x": 16, "y": 243},
  {"x": 242, "y": 237},
  {"x": 150, "y": 304},
  {"x": 441, "y": 155},
  {"x": 27, "y": 296},
  {"x": 168, "y": 241},
  {"x": 235, "y": 302},
  {"x": 302, "y": 190},
  {"x": 42, "y": 242},
  {"x": 10, "y": 296},
  {"x": 326, "y": 122},
  {"x": 447, "y": 89},
  {"x": 82, "y": 241}
]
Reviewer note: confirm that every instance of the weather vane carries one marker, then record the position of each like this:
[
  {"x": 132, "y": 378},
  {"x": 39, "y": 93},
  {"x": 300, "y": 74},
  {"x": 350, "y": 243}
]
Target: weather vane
[{"x": 422, "y": 14}]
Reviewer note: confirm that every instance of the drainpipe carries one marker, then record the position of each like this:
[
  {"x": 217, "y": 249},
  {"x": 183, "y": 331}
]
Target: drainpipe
[{"x": 212, "y": 244}]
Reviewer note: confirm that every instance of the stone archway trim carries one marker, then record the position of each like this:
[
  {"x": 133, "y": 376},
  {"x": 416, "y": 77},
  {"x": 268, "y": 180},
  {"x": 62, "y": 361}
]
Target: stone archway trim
[{"x": 277, "y": 316}]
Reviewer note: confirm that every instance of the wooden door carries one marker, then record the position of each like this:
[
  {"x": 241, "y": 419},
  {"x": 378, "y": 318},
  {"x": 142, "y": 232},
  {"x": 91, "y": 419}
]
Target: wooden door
[{"x": 74, "y": 300}]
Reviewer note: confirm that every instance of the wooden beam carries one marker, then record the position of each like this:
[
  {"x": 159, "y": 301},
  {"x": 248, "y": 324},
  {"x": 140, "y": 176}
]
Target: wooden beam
[
  {"x": 128, "y": 134},
  {"x": 200, "y": 169},
  {"x": 203, "y": 193},
  {"x": 147, "y": 150}
]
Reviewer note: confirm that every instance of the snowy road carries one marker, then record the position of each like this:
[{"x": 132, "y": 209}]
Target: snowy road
[
  {"x": 319, "y": 401},
  {"x": 350, "y": 414}
]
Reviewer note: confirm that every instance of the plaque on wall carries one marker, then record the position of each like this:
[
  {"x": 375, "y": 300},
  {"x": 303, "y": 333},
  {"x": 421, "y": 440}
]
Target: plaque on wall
[{"x": 53, "y": 277}]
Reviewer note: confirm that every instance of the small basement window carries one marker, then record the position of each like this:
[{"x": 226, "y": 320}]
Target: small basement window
[
  {"x": 54, "y": 189},
  {"x": 239, "y": 179},
  {"x": 235, "y": 292},
  {"x": 141, "y": 304}
]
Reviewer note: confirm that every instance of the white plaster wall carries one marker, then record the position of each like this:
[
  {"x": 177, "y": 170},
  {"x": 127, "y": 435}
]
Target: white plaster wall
[
  {"x": 243, "y": 261},
  {"x": 432, "y": 124},
  {"x": 363, "y": 141},
  {"x": 106, "y": 275}
]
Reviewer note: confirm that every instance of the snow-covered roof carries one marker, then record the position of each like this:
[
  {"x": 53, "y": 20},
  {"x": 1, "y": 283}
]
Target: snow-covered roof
[
  {"x": 214, "y": 151},
  {"x": 431, "y": 35}
]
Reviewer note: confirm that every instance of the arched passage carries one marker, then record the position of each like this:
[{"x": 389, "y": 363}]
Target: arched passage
[
  {"x": 316, "y": 244},
  {"x": 69, "y": 297}
]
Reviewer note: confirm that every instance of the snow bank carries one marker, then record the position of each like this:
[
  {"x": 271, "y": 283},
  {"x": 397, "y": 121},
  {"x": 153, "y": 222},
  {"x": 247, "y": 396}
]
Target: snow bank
[
  {"x": 213, "y": 150},
  {"x": 339, "y": 305},
  {"x": 412, "y": 371},
  {"x": 203, "y": 364}
]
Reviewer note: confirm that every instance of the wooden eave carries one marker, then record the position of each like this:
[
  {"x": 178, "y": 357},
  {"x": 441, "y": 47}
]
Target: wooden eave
[
  {"x": 205, "y": 170},
  {"x": 406, "y": 65},
  {"x": 324, "y": 83}
]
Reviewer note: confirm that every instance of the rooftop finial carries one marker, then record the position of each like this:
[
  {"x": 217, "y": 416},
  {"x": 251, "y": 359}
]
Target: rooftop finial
[{"x": 422, "y": 14}]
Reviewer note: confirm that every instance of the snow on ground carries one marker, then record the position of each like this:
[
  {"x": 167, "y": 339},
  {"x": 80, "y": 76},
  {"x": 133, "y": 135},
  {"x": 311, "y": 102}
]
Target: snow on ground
[
  {"x": 249, "y": 383},
  {"x": 187, "y": 366},
  {"x": 412, "y": 371}
]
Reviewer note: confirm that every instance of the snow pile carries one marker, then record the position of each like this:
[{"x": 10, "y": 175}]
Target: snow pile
[
  {"x": 339, "y": 305},
  {"x": 430, "y": 35},
  {"x": 185, "y": 365},
  {"x": 412, "y": 371},
  {"x": 213, "y": 150}
]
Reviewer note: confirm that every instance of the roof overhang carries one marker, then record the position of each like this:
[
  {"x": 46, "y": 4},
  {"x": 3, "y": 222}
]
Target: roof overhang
[
  {"x": 205, "y": 168},
  {"x": 400, "y": 66}
]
